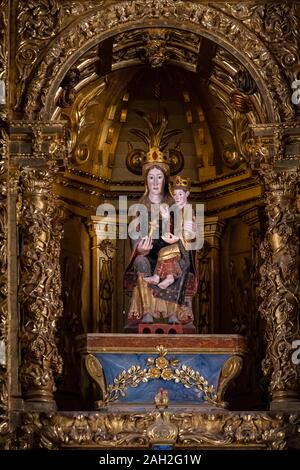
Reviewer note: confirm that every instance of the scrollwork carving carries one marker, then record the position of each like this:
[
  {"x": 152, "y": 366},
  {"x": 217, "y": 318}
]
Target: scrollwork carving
[
  {"x": 163, "y": 430},
  {"x": 37, "y": 22},
  {"x": 40, "y": 285},
  {"x": 230, "y": 370},
  {"x": 95, "y": 370},
  {"x": 208, "y": 19},
  {"x": 279, "y": 287},
  {"x": 78, "y": 124},
  {"x": 276, "y": 24},
  {"x": 236, "y": 130},
  {"x": 139, "y": 430},
  {"x": 271, "y": 431}
]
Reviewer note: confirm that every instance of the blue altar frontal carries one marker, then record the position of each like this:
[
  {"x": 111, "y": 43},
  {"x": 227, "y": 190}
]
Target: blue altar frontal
[{"x": 134, "y": 369}]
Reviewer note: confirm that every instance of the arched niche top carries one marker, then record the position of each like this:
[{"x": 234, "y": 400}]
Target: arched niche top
[{"x": 206, "y": 20}]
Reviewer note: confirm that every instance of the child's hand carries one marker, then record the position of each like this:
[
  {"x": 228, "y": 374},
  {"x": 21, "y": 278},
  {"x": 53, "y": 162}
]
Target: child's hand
[{"x": 170, "y": 238}]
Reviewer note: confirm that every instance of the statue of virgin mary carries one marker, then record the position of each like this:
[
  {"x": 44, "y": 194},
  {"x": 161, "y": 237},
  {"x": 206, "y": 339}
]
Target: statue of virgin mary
[{"x": 150, "y": 303}]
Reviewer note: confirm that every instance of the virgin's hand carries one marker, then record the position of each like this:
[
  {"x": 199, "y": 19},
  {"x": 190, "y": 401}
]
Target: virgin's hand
[
  {"x": 144, "y": 246},
  {"x": 190, "y": 226},
  {"x": 170, "y": 238}
]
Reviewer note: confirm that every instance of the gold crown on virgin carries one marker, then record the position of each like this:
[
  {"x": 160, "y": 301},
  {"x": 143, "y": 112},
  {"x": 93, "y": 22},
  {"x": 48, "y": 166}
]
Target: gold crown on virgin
[
  {"x": 155, "y": 155},
  {"x": 181, "y": 183}
]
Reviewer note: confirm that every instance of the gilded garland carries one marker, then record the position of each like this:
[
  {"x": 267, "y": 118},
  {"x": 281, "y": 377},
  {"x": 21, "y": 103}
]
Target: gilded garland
[{"x": 158, "y": 368}]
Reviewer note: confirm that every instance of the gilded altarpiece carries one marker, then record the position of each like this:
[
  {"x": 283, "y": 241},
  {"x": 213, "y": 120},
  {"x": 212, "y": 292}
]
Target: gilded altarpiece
[{"x": 70, "y": 75}]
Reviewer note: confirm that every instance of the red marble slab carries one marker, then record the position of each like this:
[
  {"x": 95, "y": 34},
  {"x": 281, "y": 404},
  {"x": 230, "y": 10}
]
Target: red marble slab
[{"x": 111, "y": 342}]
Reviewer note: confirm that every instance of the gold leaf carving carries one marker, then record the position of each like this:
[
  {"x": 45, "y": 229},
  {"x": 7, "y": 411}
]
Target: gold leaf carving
[
  {"x": 41, "y": 220},
  {"x": 232, "y": 430},
  {"x": 279, "y": 287},
  {"x": 95, "y": 370},
  {"x": 207, "y": 19}
]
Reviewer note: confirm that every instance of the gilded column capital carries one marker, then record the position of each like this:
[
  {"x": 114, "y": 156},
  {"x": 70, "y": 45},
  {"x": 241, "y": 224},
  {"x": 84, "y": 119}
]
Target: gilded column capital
[
  {"x": 276, "y": 144},
  {"x": 37, "y": 143}
]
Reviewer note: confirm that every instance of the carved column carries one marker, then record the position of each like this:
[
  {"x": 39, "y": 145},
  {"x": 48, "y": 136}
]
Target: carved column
[
  {"x": 209, "y": 275},
  {"x": 103, "y": 251},
  {"x": 40, "y": 285},
  {"x": 279, "y": 287},
  {"x": 37, "y": 148},
  {"x": 276, "y": 159}
]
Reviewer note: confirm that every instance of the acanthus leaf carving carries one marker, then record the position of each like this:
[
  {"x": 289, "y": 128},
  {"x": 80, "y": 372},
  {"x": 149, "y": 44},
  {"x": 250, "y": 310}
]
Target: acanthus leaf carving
[
  {"x": 191, "y": 430},
  {"x": 276, "y": 24},
  {"x": 37, "y": 23},
  {"x": 39, "y": 20}
]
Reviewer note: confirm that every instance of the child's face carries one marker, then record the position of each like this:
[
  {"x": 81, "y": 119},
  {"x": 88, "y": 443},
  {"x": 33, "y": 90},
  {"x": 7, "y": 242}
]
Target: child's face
[{"x": 180, "y": 197}]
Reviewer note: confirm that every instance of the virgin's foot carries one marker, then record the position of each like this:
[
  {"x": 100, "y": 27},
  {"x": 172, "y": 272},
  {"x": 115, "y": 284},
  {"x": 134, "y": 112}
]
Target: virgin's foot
[
  {"x": 166, "y": 283},
  {"x": 173, "y": 319},
  {"x": 147, "y": 318},
  {"x": 153, "y": 279}
]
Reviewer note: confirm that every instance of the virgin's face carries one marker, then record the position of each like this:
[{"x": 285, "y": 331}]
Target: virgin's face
[{"x": 155, "y": 182}]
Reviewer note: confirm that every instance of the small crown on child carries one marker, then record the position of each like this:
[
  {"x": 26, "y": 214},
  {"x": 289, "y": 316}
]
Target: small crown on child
[{"x": 181, "y": 183}]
